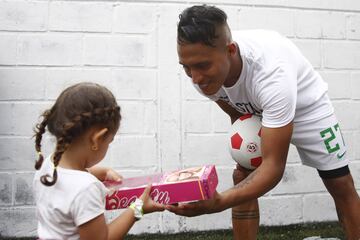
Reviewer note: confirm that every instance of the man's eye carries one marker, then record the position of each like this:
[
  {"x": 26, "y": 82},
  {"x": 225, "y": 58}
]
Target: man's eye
[
  {"x": 186, "y": 69},
  {"x": 203, "y": 65}
]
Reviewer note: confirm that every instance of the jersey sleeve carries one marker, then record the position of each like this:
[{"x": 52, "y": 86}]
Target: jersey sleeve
[
  {"x": 277, "y": 95},
  {"x": 88, "y": 204}
]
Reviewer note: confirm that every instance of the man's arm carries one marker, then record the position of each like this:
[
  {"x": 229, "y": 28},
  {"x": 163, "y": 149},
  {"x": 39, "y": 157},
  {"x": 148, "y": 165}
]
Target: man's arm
[
  {"x": 229, "y": 110},
  {"x": 274, "y": 147}
]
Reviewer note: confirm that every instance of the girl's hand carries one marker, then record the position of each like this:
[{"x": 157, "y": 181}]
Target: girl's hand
[
  {"x": 111, "y": 175},
  {"x": 104, "y": 173},
  {"x": 149, "y": 204}
]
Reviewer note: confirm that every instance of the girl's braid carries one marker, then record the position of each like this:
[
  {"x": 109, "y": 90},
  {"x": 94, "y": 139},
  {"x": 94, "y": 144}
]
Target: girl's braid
[
  {"x": 39, "y": 131},
  {"x": 79, "y": 122}
]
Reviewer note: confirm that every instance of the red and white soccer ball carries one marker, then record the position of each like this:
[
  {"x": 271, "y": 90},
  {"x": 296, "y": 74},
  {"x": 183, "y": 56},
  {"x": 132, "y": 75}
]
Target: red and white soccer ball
[{"x": 245, "y": 142}]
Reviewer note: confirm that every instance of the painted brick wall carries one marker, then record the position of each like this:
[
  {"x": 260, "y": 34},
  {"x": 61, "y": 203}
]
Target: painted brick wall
[{"x": 129, "y": 46}]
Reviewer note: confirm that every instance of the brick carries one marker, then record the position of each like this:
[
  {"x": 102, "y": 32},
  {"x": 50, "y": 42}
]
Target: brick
[
  {"x": 355, "y": 171},
  {"x": 20, "y": 222},
  {"x": 16, "y": 83},
  {"x": 135, "y": 18},
  {"x": 311, "y": 50},
  {"x": 197, "y": 116},
  {"x": 355, "y": 86},
  {"x": 319, "y": 208},
  {"x": 252, "y": 18},
  {"x": 298, "y": 179},
  {"x": 150, "y": 223},
  {"x": 349, "y": 139},
  {"x": 225, "y": 173},
  {"x": 11, "y": 113},
  {"x": 23, "y": 15},
  {"x": 353, "y": 26},
  {"x": 348, "y": 118},
  {"x": 80, "y": 16},
  {"x": 51, "y": 49},
  {"x": 333, "y": 25},
  {"x": 23, "y": 189},
  {"x": 151, "y": 118},
  {"x": 320, "y": 24},
  {"x": 133, "y": 118},
  {"x": 6, "y": 189},
  {"x": 221, "y": 121},
  {"x": 211, "y": 220},
  {"x": 135, "y": 84},
  {"x": 152, "y": 50},
  {"x": 134, "y": 151},
  {"x": 293, "y": 155},
  {"x": 169, "y": 96},
  {"x": 338, "y": 82},
  {"x": 8, "y": 48},
  {"x": 116, "y": 50},
  {"x": 356, "y": 149},
  {"x": 325, "y": 4},
  {"x": 205, "y": 149},
  {"x": 59, "y": 79},
  {"x": 348, "y": 52},
  {"x": 171, "y": 223},
  {"x": 10, "y": 157},
  {"x": 281, "y": 210},
  {"x": 232, "y": 13}
]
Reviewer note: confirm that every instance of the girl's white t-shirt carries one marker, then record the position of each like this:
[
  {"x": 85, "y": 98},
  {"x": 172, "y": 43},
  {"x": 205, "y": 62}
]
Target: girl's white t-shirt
[
  {"x": 76, "y": 198},
  {"x": 276, "y": 82}
]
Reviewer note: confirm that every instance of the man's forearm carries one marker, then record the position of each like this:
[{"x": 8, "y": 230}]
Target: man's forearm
[{"x": 252, "y": 187}]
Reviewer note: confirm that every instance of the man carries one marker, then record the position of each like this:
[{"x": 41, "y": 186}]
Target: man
[{"x": 260, "y": 72}]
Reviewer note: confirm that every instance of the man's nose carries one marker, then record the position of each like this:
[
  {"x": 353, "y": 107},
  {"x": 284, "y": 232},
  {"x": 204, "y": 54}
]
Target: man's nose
[{"x": 196, "y": 77}]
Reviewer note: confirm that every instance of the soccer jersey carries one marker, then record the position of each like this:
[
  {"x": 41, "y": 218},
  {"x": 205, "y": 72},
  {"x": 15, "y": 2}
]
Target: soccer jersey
[{"x": 276, "y": 81}]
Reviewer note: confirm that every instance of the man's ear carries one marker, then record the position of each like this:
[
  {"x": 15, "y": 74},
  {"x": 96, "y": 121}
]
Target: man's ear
[
  {"x": 232, "y": 48},
  {"x": 97, "y": 137}
]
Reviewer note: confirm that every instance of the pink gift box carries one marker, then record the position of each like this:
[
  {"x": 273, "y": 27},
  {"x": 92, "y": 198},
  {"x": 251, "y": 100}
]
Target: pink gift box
[{"x": 186, "y": 185}]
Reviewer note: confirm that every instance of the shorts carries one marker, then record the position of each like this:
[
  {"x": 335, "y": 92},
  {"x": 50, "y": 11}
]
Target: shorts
[{"x": 320, "y": 143}]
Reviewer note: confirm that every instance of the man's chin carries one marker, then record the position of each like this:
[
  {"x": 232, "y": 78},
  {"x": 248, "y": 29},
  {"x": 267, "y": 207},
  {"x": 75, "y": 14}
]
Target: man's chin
[{"x": 209, "y": 91}]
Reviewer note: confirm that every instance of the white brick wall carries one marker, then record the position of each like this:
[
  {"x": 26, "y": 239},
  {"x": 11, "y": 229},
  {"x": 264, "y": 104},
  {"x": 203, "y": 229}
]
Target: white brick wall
[{"x": 130, "y": 48}]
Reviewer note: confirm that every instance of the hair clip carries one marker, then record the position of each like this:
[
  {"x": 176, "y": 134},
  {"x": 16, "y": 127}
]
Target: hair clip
[{"x": 39, "y": 153}]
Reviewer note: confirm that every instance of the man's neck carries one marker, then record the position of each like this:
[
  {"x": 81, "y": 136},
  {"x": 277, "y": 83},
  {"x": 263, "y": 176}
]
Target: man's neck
[{"x": 235, "y": 70}]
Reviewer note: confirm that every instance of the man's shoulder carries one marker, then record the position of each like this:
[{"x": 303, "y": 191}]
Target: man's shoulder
[{"x": 255, "y": 33}]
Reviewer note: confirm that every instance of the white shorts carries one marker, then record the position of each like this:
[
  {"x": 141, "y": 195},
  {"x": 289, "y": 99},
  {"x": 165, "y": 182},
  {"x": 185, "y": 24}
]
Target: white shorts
[{"x": 320, "y": 143}]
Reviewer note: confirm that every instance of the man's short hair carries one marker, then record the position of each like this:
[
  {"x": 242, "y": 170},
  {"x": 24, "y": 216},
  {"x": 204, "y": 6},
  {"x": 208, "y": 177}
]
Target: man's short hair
[{"x": 198, "y": 24}]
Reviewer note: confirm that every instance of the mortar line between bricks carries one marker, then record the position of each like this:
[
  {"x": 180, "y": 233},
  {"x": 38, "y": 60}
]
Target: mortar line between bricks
[
  {"x": 224, "y": 4},
  {"x": 109, "y": 34},
  {"x": 44, "y": 66},
  {"x": 49, "y": 101}
]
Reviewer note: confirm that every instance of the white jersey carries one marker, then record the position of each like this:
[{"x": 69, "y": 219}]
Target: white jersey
[
  {"x": 276, "y": 81},
  {"x": 76, "y": 198}
]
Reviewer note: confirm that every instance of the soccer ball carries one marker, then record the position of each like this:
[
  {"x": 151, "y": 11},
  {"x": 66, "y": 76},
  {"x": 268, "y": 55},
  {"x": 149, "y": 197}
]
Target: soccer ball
[{"x": 245, "y": 142}]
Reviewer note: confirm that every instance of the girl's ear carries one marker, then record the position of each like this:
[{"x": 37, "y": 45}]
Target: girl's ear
[{"x": 97, "y": 137}]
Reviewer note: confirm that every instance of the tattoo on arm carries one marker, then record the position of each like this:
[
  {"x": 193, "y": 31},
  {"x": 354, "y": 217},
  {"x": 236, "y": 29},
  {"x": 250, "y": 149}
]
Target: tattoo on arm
[
  {"x": 244, "y": 214},
  {"x": 246, "y": 181}
]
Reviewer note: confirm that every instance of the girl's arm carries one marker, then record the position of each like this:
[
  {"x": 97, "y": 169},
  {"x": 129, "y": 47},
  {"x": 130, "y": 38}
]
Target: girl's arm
[
  {"x": 97, "y": 229},
  {"x": 104, "y": 173}
]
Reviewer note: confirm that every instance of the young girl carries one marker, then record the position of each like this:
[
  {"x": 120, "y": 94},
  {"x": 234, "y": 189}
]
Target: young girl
[{"x": 68, "y": 189}]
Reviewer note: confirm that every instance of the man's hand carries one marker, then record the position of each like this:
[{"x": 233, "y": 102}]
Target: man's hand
[{"x": 197, "y": 208}]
